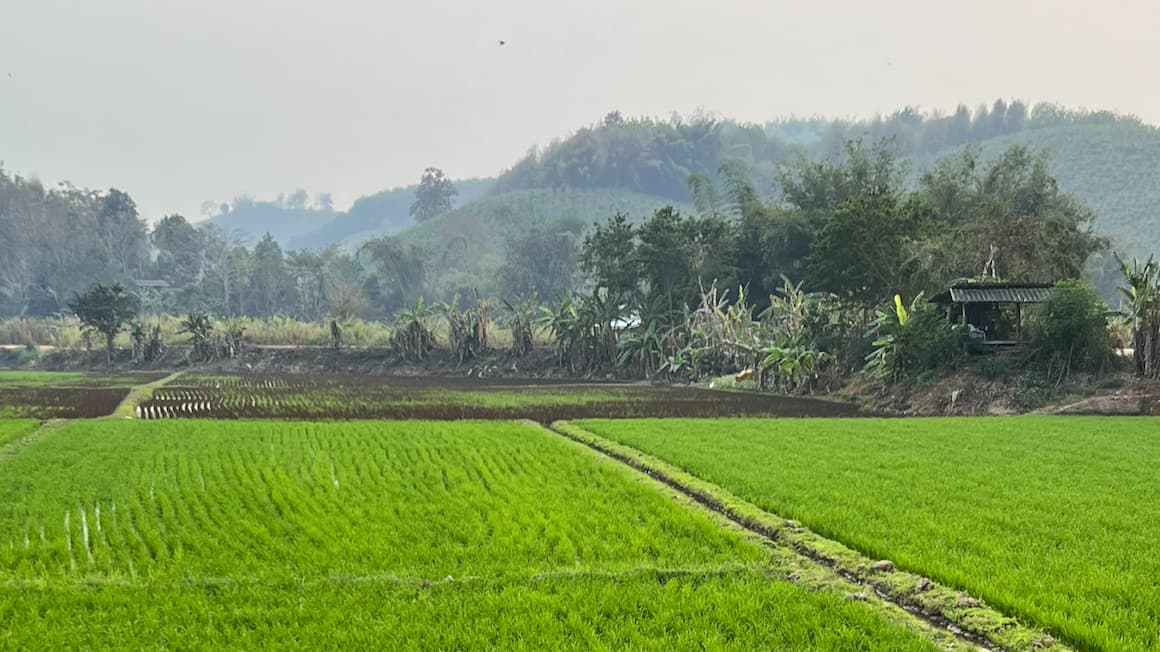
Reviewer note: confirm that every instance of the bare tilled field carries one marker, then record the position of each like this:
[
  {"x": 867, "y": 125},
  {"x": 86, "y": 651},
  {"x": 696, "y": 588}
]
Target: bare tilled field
[
  {"x": 52, "y": 395},
  {"x": 360, "y": 397}
]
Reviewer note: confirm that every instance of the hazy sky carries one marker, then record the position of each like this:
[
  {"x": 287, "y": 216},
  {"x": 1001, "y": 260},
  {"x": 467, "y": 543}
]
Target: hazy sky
[{"x": 181, "y": 101}]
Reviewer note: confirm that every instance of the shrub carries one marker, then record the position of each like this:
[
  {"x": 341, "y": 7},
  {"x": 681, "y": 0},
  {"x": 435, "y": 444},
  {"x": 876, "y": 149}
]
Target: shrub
[
  {"x": 27, "y": 356},
  {"x": 1069, "y": 331},
  {"x": 1032, "y": 390},
  {"x": 915, "y": 343},
  {"x": 928, "y": 342},
  {"x": 994, "y": 368}
]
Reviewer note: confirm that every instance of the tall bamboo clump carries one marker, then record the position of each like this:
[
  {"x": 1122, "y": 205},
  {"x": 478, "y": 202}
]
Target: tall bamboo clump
[{"x": 1142, "y": 310}]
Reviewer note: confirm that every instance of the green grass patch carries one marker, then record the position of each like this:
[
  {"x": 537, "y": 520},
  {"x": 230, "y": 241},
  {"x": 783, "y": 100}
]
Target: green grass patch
[
  {"x": 1049, "y": 519},
  {"x": 44, "y": 379},
  {"x": 421, "y": 535},
  {"x": 13, "y": 429}
]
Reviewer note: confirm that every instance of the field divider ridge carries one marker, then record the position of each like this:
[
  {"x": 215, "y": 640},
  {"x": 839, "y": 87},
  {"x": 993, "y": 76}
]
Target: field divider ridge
[
  {"x": 944, "y": 607},
  {"x": 138, "y": 394},
  {"x": 785, "y": 564},
  {"x": 13, "y": 448}
]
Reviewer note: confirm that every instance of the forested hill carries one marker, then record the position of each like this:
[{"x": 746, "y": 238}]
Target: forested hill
[
  {"x": 297, "y": 221},
  {"x": 524, "y": 232},
  {"x": 1109, "y": 161},
  {"x": 1113, "y": 168}
]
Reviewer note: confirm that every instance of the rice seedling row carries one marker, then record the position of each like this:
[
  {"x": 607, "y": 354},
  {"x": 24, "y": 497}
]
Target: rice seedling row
[
  {"x": 322, "y": 397},
  {"x": 391, "y": 534},
  {"x": 745, "y": 610},
  {"x": 413, "y": 499},
  {"x": 1050, "y": 519}
]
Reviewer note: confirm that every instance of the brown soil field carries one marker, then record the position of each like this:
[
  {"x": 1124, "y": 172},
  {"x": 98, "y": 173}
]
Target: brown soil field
[{"x": 59, "y": 403}]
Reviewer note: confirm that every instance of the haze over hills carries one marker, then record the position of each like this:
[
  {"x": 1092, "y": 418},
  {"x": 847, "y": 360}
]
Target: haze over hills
[
  {"x": 1109, "y": 161},
  {"x": 296, "y": 222},
  {"x": 522, "y": 231}
]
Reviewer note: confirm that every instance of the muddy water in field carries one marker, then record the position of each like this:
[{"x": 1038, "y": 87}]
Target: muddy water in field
[{"x": 437, "y": 398}]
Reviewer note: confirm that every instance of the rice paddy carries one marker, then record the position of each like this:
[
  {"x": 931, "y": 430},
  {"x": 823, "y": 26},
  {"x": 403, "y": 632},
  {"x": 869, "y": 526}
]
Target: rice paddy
[
  {"x": 64, "y": 395},
  {"x": 13, "y": 429},
  {"x": 1051, "y": 519},
  {"x": 313, "y": 397},
  {"x": 61, "y": 379},
  {"x": 283, "y": 511},
  {"x": 413, "y": 535}
]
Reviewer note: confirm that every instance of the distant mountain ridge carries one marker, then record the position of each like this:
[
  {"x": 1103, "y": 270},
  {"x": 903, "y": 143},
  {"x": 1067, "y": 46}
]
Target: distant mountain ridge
[
  {"x": 316, "y": 227},
  {"x": 1109, "y": 161}
]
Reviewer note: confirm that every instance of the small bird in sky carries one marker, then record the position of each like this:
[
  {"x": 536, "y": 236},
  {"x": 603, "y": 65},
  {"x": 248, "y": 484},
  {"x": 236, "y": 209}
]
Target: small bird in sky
[{"x": 501, "y": 43}]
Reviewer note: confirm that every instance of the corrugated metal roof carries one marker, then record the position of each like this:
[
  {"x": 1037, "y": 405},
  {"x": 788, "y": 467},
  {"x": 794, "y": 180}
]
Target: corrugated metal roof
[{"x": 998, "y": 294}]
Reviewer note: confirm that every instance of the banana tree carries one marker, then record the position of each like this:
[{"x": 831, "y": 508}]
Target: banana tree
[
  {"x": 1142, "y": 310},
  {"x": 412, "y": 336},
  {"x": 885, "y": 329},
  {"x": 644, "y": 348},
  {"x": 520, "y": 318}
]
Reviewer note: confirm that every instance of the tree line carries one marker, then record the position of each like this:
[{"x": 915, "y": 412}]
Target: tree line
[
  {"x": 811, "y": 280},
  {"x": 849, "y": 225},
  {"x": 656, "y": 157}
]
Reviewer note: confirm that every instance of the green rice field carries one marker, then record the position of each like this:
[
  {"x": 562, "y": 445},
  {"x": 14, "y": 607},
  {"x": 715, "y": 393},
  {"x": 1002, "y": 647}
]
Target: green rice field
[
  {"x": 1052, "y": 519},
  {"x": 393, "y": 535},
  {"x": 13, "y": 429}
]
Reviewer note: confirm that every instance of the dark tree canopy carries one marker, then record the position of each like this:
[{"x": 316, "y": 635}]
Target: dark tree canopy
[
  {"x": 105, "y": 309},
  {"x": 434, "y": 195},
  {"x": 541, "y": 263}
]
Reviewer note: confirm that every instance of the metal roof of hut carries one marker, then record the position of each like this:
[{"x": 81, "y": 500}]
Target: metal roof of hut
[{"x": 964, "y": 291}]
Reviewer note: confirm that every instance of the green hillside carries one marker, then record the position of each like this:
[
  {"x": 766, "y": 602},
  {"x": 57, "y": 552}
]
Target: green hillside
[
  {"x": 1111, "y": 163},
  {"x": 471, "y": 239},
  {"x": 382, "y": 213},
  {"x": 255, "y": 219},
  {"x": 298, "y": 223},
  {"x": 1114, "y": 169}
]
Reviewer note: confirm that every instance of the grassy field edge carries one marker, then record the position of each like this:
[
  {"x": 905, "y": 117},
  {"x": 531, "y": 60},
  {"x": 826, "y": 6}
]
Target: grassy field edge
[
  {"x": 939, "y": 603},
  {"x": 139, "y": 394}
]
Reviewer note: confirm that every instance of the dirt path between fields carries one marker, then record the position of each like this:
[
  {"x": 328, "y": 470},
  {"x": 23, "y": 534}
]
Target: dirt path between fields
[
  {"x": 14, "y": 448},
  {"x": 139, "y": 394},
  {"x": 946, "y": 609}
]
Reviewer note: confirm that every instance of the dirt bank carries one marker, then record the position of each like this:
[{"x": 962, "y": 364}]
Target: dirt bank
[
  {"x": 963, "y": 393},
  {"x": 966, "y": 393}
]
